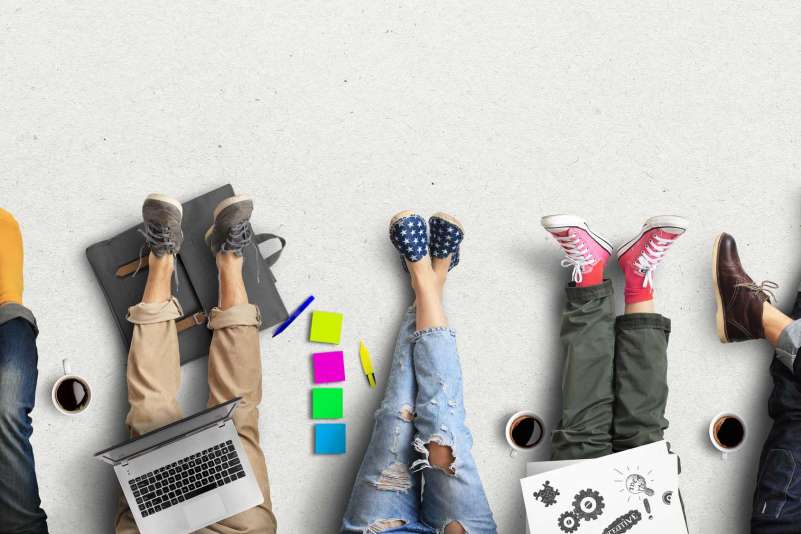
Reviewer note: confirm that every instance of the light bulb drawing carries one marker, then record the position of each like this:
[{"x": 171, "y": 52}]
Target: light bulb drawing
[{"x": 636, "y": 485}]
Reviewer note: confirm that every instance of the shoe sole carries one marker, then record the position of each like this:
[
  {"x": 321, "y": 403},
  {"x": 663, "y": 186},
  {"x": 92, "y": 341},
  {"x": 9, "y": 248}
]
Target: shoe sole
[
  {"x": 167, "y": 200},
  {"x": 229, "y": 202},
  {"x": 720, "y": 323},
  {"x": 654, "y": 223},
  {"x": 448, "y": 218},
  {"x": 564, "y": 221}
]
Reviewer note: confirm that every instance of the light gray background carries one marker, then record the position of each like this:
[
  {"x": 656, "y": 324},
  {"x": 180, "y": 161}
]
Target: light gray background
[{"x": 335, "y": 116}]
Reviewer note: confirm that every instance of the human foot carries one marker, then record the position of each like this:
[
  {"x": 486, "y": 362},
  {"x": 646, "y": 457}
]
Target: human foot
[
  {"x": 740, "y": 302},
  {"x": 231, "y": 231},
  {"x": 446, "y": 234},
  {"x": 162, "y": 225},
  {"x": 585, "y": 251},
  {"x": 640, "y": 257},
  {"x": 409, "y": 235}
]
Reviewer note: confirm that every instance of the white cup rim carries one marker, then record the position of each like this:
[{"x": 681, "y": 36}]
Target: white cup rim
[
  {"x": 80, "y": 379},
  {"x": 712, "y": 439},
  {"x": 514, "y": 417}
]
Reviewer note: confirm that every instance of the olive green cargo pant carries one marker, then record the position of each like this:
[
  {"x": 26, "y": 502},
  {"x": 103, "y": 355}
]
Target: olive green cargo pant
[{"x": 614, "y": 389}]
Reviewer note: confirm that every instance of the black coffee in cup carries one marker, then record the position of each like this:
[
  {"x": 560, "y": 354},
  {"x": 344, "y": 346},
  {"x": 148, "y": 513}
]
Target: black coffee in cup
[
  {"x": 72, "y": 395},
  {"x": 526, "y": 431},
  {"x": 729, "y": 432}
]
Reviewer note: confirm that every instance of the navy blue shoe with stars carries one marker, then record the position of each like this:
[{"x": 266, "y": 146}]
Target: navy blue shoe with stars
[
  {"x": 409, "y": 234},
  {"x": 447, "y": 234}
]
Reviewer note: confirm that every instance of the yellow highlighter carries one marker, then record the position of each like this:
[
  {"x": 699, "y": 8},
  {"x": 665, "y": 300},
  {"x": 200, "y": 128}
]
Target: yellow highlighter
[{"x": 367, "y": 365}]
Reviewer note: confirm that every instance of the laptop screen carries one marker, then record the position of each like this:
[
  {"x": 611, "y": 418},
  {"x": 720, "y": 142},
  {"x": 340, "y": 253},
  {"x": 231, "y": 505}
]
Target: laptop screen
[{"x": 117, "y": 453}]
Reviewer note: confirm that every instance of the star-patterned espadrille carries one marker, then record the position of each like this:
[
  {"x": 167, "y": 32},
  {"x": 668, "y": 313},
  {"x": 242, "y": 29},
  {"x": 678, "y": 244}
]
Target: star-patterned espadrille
[
  {"x": 409, "y": 235},
  {"x": 447, "y": 234}
]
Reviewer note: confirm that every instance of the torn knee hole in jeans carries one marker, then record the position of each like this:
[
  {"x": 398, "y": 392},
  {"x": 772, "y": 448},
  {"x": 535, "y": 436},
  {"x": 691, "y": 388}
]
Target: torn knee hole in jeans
[
  {"x": 396, "y": 477},
  {"x": 425, "y": 462},
  {"x": 384, "y": 524},
  {"x": 406, "y": 413}
]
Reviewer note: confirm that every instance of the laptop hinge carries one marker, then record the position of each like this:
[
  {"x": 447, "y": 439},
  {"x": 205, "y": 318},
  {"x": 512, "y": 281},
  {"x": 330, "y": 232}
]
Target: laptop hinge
[
  {"x": 124, "y": 463},
  {"x": 222, "y": 423}
]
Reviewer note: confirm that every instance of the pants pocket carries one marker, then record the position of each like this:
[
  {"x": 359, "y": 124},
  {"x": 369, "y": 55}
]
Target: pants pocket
[{"x": 774, "y": 482}]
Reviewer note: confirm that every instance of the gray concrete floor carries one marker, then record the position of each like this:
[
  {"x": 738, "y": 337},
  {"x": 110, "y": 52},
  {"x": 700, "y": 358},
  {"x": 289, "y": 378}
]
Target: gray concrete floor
[{"x": 334, "y": 117}]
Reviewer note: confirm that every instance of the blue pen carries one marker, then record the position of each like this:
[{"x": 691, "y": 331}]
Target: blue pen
[{"x": 300, "y": 309}]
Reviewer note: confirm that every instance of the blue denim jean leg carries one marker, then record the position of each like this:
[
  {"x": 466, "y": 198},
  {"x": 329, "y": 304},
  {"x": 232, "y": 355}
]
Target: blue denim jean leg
[
  {"x": 20, "y": 509},
  {"x": 423, "y": 404}
]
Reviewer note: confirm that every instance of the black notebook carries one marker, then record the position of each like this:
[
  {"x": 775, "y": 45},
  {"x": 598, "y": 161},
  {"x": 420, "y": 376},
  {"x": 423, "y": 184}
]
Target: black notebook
[{"x": 115, "y": 260}]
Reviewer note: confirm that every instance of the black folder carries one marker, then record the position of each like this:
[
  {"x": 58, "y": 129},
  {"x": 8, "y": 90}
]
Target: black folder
[{"x": 116, "y": 260}]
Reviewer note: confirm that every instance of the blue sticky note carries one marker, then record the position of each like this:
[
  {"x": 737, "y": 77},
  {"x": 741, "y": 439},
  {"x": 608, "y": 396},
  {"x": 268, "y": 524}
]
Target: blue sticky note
[{"x": 329, "y": 438}]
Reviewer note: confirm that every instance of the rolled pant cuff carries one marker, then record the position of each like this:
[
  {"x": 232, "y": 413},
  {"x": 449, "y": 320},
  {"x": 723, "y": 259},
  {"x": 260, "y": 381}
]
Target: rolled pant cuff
[
  {"x": 155, "y": 312},
  {"x": 239, "y": 315},
  {"x": 586, "y": 294},
  {"x": 635, "y": 321},
  {"x": 428, "y": 332},
  {"x": 12, "y": 310}
]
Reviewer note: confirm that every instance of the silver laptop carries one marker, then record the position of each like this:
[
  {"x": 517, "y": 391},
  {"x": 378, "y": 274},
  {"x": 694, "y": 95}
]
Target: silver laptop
[{"x": 186, "y": 475}]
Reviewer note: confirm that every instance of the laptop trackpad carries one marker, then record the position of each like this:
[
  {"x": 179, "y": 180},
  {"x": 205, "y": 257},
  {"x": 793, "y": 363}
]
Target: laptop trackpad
[{"x": 203, "y": 511}]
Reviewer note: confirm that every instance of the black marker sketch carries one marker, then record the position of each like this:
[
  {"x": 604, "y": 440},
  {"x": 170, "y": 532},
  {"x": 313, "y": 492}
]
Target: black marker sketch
[
  {"x": 568, "y": 522},
  {"x": 637, "y": 484},
  {"x": 624, "y": 523},
  {"x": 667, "y": 497},
  {"x": 647, "y": 508},
  {"x": 547, "y": 495},
  {"x": 588, "y": 505}
]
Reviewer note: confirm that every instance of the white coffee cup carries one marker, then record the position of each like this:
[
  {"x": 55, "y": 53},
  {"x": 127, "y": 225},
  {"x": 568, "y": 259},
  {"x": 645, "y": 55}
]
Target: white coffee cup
[
  {"x": 535, "y": 438},
  {"x": 78, "y": 396},
  {"x": 727, "y": 433}
]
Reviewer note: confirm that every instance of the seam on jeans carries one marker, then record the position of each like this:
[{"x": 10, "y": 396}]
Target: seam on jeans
[
  {"x": 420, "y": 333},
  {"x": 789, "y": 480}
]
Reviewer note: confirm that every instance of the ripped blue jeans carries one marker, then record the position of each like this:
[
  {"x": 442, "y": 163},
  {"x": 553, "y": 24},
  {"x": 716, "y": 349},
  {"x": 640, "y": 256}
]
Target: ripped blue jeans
[{"x": 397, "y": 490}]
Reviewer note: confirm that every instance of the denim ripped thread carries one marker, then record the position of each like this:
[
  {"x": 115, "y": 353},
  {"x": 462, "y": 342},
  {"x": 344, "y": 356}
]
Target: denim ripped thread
[
  {"x": 424, "y": 462},
  {"x": 396, "y": 476}
]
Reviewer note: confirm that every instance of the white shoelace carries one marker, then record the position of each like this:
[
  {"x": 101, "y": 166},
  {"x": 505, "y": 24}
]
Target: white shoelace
[
  {"x": 576, "y": 255},
  {"x": 651, "y": 256}
]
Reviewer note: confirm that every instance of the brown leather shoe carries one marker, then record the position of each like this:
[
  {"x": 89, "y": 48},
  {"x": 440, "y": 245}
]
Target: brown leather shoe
[{"x": 739, "y": 299}]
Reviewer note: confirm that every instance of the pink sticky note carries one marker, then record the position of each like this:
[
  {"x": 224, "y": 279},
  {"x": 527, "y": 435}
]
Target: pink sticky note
[{"x": 328, "y": 367}]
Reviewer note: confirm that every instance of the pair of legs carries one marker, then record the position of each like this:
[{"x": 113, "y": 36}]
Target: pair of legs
[
  {"x": 615, "y": 378},
  {"x": 418, "y": 475},
  {"x": 154, "y": 368},
  {"x": 745, "y": 312},
  {"x": 20, "y": 506},
  {"x": 614, "y": 389}
]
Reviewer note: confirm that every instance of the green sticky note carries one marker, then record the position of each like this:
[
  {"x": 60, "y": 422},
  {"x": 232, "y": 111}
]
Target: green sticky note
[
  {"x": 327, "y": 403},
  {"x": 326, "y": 327}
]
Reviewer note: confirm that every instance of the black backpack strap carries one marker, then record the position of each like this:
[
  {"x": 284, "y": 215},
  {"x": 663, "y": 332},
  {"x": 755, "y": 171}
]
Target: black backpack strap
[{"x": 272, "y": 258}]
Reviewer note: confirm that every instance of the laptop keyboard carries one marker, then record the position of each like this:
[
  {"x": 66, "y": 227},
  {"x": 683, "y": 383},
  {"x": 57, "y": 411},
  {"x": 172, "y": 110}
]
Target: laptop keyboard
[{"x": 189, "y": 477}]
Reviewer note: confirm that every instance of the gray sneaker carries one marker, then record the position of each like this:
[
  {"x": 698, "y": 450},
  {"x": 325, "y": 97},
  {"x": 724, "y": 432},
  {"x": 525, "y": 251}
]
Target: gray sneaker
[
  {"x": 162, "y": 231},
  {"x": 231, "y": 231}
]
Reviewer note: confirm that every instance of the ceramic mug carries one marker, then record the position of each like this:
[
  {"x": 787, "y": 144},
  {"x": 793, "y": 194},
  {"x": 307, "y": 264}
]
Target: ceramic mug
[
  {"x": 727, "y": 432},
  {"x": 524, "y": 431},
  {"x": 71, "y": 394}
]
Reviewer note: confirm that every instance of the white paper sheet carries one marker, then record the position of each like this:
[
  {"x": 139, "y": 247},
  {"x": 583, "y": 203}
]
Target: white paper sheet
[{"x": 633, "y": 491}]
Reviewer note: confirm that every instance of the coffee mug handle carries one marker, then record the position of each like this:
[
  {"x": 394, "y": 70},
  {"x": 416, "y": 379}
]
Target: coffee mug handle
[{"x": 65, "y": 363}]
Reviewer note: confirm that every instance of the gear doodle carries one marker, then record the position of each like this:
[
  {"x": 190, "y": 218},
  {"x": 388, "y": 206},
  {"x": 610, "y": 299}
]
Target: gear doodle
[
  {"x": 547, "y": 495},
  {"x": 568, "y": 522},
  {"x": 588, "y": 505}
]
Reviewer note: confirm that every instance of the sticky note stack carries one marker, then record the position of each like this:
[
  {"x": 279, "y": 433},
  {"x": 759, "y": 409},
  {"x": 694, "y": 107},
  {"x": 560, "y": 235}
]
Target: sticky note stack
[{"x": 329, "y": 367}]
